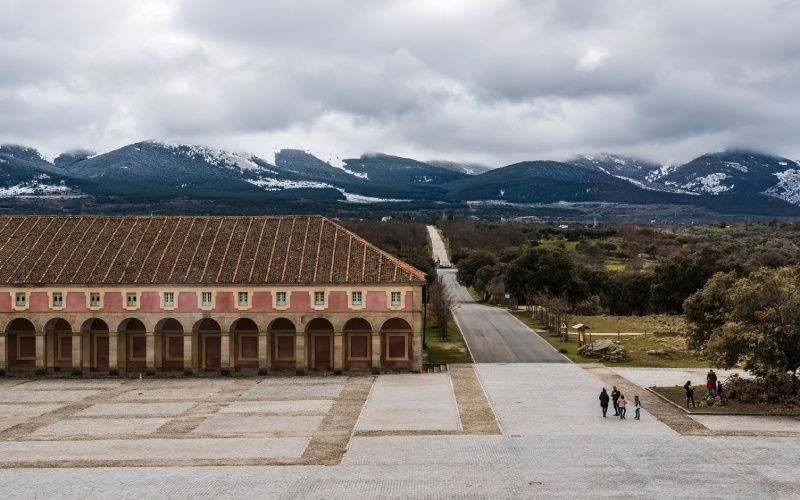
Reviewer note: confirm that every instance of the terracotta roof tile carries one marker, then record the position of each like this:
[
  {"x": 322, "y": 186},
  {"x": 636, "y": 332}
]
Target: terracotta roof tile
[{"x": 97, "y": 250}]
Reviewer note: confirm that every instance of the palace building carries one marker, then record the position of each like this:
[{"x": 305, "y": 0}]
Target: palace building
[{"x": 202, "y": 294}]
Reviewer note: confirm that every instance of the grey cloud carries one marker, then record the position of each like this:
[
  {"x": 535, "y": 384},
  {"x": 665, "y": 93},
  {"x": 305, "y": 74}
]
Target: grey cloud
[{"x": 494, "y": 82}]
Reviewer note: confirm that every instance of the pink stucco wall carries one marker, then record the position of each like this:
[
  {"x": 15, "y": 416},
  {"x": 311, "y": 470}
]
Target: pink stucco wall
[
  {"x": 376, "y": 301},
  {"x": 224, "y": 302},
  {"x": 76, "y": 301},
  {"x": 149, "y": 302},
  {"x": 300, "y": 302},
  {"x": 187, "y": 302},
  {"x": 5, "y": 302},
  {"x": 337, "y": 301},
  {"x": 262, "y": 301},
  {"x": 37, "y": 302},
  {"x": 112, "y": 302}
]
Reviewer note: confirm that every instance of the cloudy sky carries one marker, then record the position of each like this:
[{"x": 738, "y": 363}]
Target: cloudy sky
[{"x": 493, "y": 81}]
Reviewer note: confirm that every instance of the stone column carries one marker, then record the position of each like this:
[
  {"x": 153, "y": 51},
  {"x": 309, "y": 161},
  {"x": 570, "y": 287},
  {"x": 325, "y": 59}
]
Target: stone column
[
  {"x": 416, "y": 343},
  {"x": 3, "y": 354},
  {"x": 376, "y": 353},
  {"x": 77, "y": 353},
  {"x": 150, "y": 354},
  {"x": 187, "y": 353},
  {"x": 300, "y": 353},
  {"x": 40, "y": 354},
  {"x": 338, "y": 353},
  {"x": 225, "y": 353},
  {"x": 263, "y": 353},
  {"x": 113, "y": 353}
]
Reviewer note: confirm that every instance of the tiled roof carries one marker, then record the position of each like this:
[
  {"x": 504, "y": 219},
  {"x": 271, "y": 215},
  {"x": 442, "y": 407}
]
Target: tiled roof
[{"x": 190, "y": 250}]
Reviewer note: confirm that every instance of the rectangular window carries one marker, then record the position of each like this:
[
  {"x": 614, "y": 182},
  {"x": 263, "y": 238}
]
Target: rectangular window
[
  {"x": 285, "y": 347},
  {"x": 169, "y": 299},
  {"x": 65, "y": 347},
  {"x": 280, "y": 298},
  {"x": 206, "y": 298},
  {"x": 94, "y": 299},
  {"x": 26, "y": 347},
  {"x": 58, "y": 299},
  {"x": 130, "y": 299},
  {"x": 244, "y": 298},
  {"x": 319, "y": 298},
  {"x": 395, "y": 298},
  {"x": 175, "y": 347},
  {"x": 397, "y": 346},
  {"x": 359, "y": 346},
  {"x": 19, "y": 299},
  {"x": 356, "y": 298}
]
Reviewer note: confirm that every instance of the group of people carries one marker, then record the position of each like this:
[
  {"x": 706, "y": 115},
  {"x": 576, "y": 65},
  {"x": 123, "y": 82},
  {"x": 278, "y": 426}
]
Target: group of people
[
  {"x": 619, "y": 402},
  {"x": 714, "y": 389}
]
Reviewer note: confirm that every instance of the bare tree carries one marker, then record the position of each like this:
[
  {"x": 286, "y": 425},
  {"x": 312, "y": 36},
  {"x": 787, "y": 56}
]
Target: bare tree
[{"x": 440, "y": 303}]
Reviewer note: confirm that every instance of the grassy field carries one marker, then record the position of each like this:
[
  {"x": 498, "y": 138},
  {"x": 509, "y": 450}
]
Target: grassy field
[
  {"x": 558, "y": 243},
  {"x": 474, "y": 294},
  {"x": 678, "y": 395},
  {"x": 654, "y": 323},
  {"x": 637, "y": 345},
  {"x": 614, "y": 264},
  {"x": 451, "y": 350}
]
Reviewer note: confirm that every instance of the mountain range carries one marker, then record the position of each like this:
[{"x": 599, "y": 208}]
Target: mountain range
[{"x": 180, "y": 178}]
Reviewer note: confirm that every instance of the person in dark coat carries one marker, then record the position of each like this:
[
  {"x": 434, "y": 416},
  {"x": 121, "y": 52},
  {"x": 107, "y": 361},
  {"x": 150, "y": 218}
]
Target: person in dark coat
[
  {"x": 689, "y": 393},
  {"x": 614, "y": 397},
  {"x": 604, "y": 401}
]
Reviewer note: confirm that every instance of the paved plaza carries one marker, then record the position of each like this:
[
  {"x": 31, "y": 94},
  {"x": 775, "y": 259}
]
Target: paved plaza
[{"x": 431, "y": 435}]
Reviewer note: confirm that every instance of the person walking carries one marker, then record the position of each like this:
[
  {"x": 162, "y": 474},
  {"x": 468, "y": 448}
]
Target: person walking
[
  {"x": 604, "y": 401},
  {"x": 689, "y": 393},
  {"x": 637, "y": 405},
  {"x": 614, "y": 399},
  {"x": 622, "y": 404},
  {"x": 719, "y": 389}
]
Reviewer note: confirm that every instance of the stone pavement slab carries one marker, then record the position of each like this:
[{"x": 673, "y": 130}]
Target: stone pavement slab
[
  {"x": 152, "y": 449},
  {"x": 278, "y": 391},
  {"x": 411, "y": 402},
  {"x": 71, "y": 384},
  {"x": 320, "y": 406},
  {"x": 232, "y": 424},
  {"x": 174, "y": 394},
  {"x": 760, "y": 423},
  {"x": 98, "y": 427},
  {"x": 136, "y": 410},
  {"x": 14, "y": 410},
  {"x": 556, "y": 399},
  {"x": 15, "y": 395},
  {"x": 668, "y": 377}
]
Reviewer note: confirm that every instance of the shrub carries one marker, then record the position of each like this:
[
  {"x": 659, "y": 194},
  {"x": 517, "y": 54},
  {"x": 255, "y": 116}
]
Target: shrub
[{"x": 775, "y": 388}]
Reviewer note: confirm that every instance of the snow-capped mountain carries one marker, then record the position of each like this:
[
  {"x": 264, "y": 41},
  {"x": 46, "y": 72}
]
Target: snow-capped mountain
[{"x": 162, "y": 175}]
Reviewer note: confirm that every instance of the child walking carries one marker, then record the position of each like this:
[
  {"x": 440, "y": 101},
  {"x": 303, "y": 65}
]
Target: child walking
[
  {"x": 622, "y": 404},
  {"x": 637, "y": 404}
]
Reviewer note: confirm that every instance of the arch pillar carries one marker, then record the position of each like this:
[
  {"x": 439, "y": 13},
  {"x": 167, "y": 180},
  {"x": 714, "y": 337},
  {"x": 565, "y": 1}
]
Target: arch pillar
[
  {"x": 113, "y": 353},
  {"x": 77, "y": 353},
  {"x": 40, "y": 352},
  {"x": 376, "y": 353},
  {"x": 338, "y": 352},
  {"x": 263, "y": 352},
  {"x": 225, "y": 352},
  {"x": 187, "y": 352},
  {"x": 3, "y": 353},
  {"x": 300, "y": 352},
  {"x": 150, "y": 352}
]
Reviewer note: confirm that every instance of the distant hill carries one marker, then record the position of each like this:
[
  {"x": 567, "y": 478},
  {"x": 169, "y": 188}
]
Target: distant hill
[{"x": 169, "y": 177}]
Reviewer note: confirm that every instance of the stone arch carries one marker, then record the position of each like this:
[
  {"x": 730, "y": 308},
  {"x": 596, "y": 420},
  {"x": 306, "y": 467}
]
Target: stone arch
[
  {"x": 58, "y": 340},
  {"x": 208, "y": 333},
  {"x": 21, "y": 345},
  {"x": 319, "y": 352},
  {"x": 357, "y": 333},
  {"x": 244, "y": 345},
  {"x": 94, "y": 334},
  {"x": 396, "y": 338},
  {"x": 282, "y": 332},
  {"x": 132, "y": 334},
  {"x": 168, "y": 339}
]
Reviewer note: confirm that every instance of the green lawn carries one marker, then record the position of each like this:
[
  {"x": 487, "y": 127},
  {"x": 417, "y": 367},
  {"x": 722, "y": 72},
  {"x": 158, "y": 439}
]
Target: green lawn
[
  {"x": 679, "y": 356},
  {"x": 451, "y": 350},
  {"x": 548, "y": 243},
  {"x": 654, "y": 323},
  {"x": 474, "y": 294},
  {"x": 614, "y": 264},
  {"x": 678, "y": 395}
]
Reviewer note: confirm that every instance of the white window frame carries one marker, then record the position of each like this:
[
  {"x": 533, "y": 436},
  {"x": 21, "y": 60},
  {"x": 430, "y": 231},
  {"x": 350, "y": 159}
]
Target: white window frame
[
  {"x": 91, "y": 303},
  {"x": 246, "y": 301},
  {"x": 204, "y": 302},
  {"x": 127, "y": 303},
  {"x": 399, "y": 301},
  {"x": 17, "y": 304},
  {"x": 319, "y": 298},
  {"x": 53, "y": 296},
  {"x": 171, "y": 303},
  {"x": 351, "y": 299},
  {"x": 278, "y": 304}
]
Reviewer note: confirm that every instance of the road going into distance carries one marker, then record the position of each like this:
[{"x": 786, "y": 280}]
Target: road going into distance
[{"x": 493, "y": 335}]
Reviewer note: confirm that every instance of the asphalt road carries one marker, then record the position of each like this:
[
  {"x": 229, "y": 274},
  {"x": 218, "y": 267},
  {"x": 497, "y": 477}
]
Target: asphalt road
[{"x": 493, "y": 335}]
